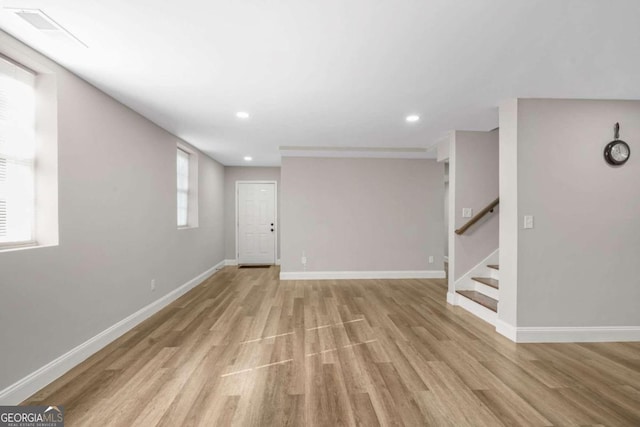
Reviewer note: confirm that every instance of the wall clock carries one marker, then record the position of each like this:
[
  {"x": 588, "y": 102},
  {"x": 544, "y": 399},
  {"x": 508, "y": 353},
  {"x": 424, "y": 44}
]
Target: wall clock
[{"x": 617, "y": 152}]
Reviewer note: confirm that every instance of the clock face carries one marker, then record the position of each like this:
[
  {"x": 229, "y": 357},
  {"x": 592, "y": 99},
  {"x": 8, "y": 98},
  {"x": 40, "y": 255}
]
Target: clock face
[
  {"x": 617, "y": 152},
  {"x": 620, "y": 152}
]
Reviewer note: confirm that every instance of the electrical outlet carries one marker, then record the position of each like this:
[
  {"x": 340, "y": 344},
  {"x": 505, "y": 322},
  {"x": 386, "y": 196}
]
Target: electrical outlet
[
  {"x": 303, "y": 259},
  {"x": 467, "y": 212},
  {"x": 431, "y": 259},
  {"x": 153, "y": 285}
]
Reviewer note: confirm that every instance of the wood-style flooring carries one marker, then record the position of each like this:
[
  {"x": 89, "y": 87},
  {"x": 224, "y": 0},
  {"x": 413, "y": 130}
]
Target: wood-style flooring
[{"x": 246, "y": 349}]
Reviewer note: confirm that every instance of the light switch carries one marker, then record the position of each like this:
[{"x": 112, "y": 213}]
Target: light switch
[
  {"x": 528, "y": 221},
  {"x": 467, "y": 212}
]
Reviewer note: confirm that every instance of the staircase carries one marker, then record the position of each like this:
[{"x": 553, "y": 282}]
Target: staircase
[{"x": 478, "y": 291}]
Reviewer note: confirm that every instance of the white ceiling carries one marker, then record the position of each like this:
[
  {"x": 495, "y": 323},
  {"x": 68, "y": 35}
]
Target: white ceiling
[{"x": 338, "y": 73}]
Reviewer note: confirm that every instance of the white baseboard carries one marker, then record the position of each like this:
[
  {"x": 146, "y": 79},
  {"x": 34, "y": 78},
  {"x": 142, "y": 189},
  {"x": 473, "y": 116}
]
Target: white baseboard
[
  {"x": 503, "y": 328},
  {"x": 324, "y": 275},
  {"x": 452, "y": 298},
  {"x": 235, "y": 262},
  {"x": 553, "y": 334},
  {"x": 577, "y": 334},
  {"x": 27, "y": 386}
]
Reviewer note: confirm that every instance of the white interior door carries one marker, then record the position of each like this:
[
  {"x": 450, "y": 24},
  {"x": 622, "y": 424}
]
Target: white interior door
[{"x": 256, "y": 204}]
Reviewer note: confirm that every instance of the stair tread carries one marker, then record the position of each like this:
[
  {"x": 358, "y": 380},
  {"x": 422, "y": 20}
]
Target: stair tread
[
  {"x": 487, "y": 281},
  {"x": 494, "y": 266},
  {"x": 481, "y": 299}
]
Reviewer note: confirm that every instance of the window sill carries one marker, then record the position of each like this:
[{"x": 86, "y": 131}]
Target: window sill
[
  {"x": 187, "y": 227},
  {"x": 12, "y": 247}
]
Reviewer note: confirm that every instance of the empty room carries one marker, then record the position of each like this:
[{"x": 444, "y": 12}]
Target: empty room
[{"x": 319, "y": 213}]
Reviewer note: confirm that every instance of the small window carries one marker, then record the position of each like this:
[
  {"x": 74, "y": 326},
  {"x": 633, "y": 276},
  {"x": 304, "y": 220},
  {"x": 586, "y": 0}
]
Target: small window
[
  {"x": 183, "y": 187},
  {"x": 187, "y": 180},
  {"x": 17, "y": 153}
]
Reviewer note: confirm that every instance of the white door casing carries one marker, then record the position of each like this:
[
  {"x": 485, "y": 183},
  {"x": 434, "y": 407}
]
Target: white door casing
[{"x": 256, "y": 222}]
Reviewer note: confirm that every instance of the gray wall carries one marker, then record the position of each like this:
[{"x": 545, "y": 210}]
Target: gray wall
[
  {"x": 476, "y": 185},
  {"x": 362, "y": 214},
  {"x": 579, "y": 265},
  {"x": 117, "y": 210},
  {"x": 238, "y": 173}
]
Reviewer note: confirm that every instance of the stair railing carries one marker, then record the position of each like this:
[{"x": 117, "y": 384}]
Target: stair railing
[{"x": 478, "y": 216}]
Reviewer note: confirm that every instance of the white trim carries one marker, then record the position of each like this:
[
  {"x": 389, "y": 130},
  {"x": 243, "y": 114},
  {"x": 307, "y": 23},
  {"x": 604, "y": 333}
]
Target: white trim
[
  {"x": 503, "y": 328},
  {"x": 9, "y": 247},
  {"x": 27, "y": 386},
  {"x": 320, "y": 275},
  {"x": 452, "y": 298},
  {"x": 486, "y": 290},
  {"x": 493, "y": 273},
  {"x": 546, "y": 334},
  {"x": 451, "y": 286},
  {"x": 358, "y": 152},
  {"x": 232, "y": 262},
  {"x": 479, "y": 270},
  {"x": 476, "y": 309},
  {"x": 275, "y": 221},
  {"x": 576, "y": 334}
]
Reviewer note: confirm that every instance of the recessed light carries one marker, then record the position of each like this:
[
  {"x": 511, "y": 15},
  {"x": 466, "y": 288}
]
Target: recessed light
[
  {"x": 248, "y": 158},
  {"x": 412, "y": 118},
  {"x": 242, "y": 115}
]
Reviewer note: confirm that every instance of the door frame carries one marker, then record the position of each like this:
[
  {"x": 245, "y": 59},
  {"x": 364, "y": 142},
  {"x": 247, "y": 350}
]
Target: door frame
[{"x": 275, "y": 208}]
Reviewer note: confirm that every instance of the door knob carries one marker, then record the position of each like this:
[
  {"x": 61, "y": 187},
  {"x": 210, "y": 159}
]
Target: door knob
[
  {"x": 272, "y": 224},
  {"x": 272, "y": 229}
]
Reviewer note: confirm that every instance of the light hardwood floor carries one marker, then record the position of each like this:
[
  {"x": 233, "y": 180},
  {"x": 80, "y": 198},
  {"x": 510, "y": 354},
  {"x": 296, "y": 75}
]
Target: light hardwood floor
[{"x": 246, "y": 349}]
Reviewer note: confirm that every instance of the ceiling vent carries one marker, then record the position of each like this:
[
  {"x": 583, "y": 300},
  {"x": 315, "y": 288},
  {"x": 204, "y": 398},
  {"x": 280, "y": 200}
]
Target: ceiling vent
[{"x": 43, "y": 23}]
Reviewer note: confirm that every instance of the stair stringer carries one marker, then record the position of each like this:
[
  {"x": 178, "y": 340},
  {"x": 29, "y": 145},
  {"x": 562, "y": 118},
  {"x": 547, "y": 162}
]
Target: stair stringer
[
  {"x": 465, "y": 283},
  {"x": 468, "y": 284}
]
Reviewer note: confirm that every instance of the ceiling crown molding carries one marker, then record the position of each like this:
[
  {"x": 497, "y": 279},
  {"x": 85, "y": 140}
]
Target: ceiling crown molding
[{"x": 358, "y": 152}]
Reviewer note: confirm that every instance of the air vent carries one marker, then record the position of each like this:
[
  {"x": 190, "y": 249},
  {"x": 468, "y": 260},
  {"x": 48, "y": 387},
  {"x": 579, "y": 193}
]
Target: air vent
[
  {"x": 38, "y": 19},
  {"x": 43, "y": 23}
]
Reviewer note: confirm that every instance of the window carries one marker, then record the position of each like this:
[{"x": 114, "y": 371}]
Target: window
[
  {"x": 17, "y": 153},
  {"x": 187, "y": 176},
  {"x": 183, "y": 187}
]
